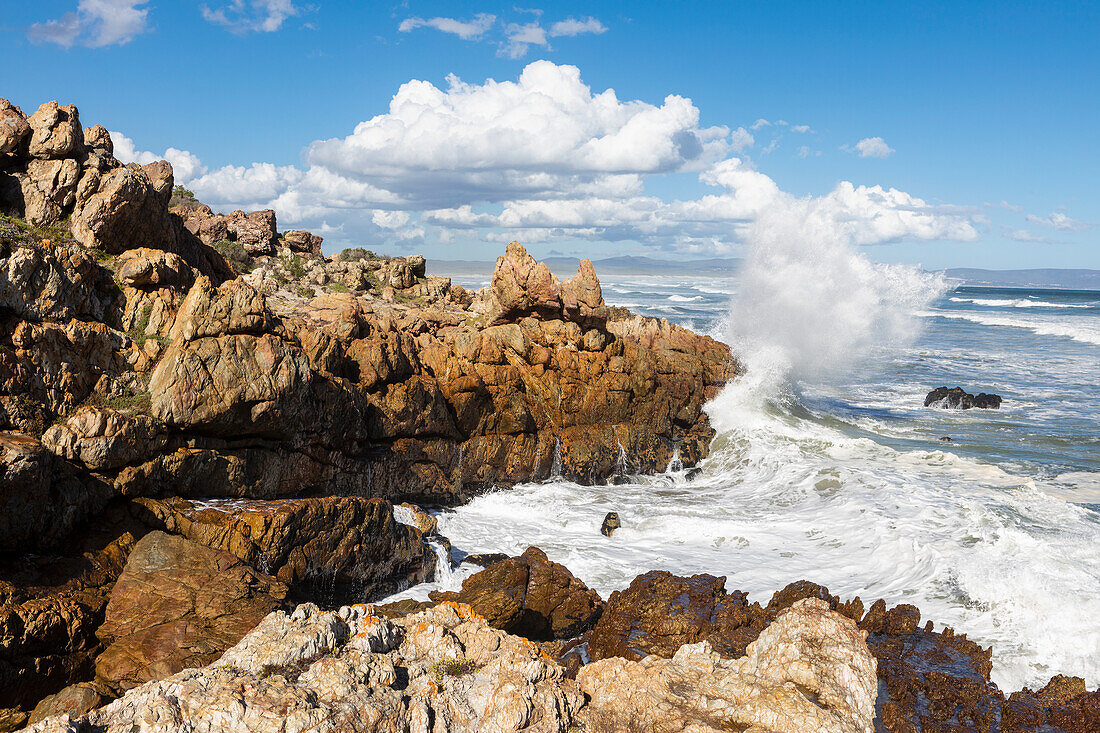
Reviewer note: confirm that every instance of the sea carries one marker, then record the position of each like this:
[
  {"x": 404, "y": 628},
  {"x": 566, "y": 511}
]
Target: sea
[{"x": 828, "y": 467}]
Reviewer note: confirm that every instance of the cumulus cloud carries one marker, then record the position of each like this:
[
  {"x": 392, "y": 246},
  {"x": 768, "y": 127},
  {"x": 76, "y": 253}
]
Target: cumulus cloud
[
  {"x": 95, "y": 23},
  {"x": 871, "y": 147},
  {"x": 574, "y": 27},
  {"x": 1061, "y": 222},
  {"x": 801, "y": 128},
  {"x": 185, "y": 165},
  {"x": 467, "y": 30},
  {"x": 257, "y": 15},
  {"x": 1023, "y": 235},
  {"x": 545, "y": 158}
]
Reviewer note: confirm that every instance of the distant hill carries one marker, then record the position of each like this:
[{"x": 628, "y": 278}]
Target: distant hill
[
  {"x": 1038, "y": 278},
  {"x": 623, "y": 265}
]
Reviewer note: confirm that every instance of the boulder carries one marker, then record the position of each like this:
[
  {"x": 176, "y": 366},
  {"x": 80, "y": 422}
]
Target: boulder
[
  {"x": 299, "y": 240},
  {"x": 48, "y": 190},
  {"x": 73, "y": 701},
  {"x": 179, "y": 604},
  {"x": 529, "y": 596},
  {"x": 14, "y": 129},
  {"x": 610, "y": 524},
  {"x": 103, "y": 439},
  {"x": 959, "y": 399},
  {"x": 59, "y": 282},
  {"x": 255, "y": 231},
  {"x": 809, "y": 670},
  {"x": 205, "y": 224},
  {"x": 324, "y": 548},
  {"x": 582, "y": 298},
  {"x": 149, "y": 269},
  {"x": 55, "y": 132},
  {"x": 127, "y": 208}
]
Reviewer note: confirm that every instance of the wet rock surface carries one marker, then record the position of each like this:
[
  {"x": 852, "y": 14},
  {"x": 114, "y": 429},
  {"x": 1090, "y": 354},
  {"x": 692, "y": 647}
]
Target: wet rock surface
[
  {"x": 957, "y": 398},
  {"x": 529, "y": 596}
]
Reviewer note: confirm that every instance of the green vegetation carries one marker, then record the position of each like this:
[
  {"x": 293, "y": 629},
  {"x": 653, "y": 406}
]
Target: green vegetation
[
  {"x": 129, "y": 401},
  {"x": 294, "y": 265},
  {"x": 452, "y": 668},
  {"x": 182, "y": 197},
  {"x": 305, "y": 292},
  {"x": 339, "y": 287},
  {"x": 235, "y": 254},
  {"x": 137, "y": 333},
  {"x": 358, "y": 253},
  {"x": 58, "y": 232}
]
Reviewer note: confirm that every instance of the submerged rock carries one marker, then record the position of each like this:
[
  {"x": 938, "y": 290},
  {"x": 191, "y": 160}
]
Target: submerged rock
[
  {"x": 610, "y": 524},
  {"x": 958, "y": 399}
]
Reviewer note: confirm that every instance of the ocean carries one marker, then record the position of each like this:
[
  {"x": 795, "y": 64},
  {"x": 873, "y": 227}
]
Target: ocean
[{"x": 828, "y": 467}]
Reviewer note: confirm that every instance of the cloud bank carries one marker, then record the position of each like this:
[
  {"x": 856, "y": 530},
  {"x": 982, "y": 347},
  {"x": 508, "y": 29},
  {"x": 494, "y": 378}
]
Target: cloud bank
[
  {"x": 545, "y": 158},
  {"x": 96, "y": 23}
]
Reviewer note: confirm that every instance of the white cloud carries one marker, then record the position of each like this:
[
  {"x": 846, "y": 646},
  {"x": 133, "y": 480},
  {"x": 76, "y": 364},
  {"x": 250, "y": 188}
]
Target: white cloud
[
  {"x": 95, "y": 23},
  {"x": 573, "y": 27},
  {"x": 872, "y": 147},
  {"x": 805, "y": 151},
  {"x": 519, "y": 37},
  {"x": 256, "y": 15},
  {"x": 801, "y": 128},
  {"x": 1061, "y": 222},
  {"x": 544, "y": 158},
  {"x": 467, "y": 30},
  {"x": 761, "y": 122},
  {"x": 1023, "y": 235},
  {"x": 185, "y": 165},
  {"x": 1010, "y": 207}
]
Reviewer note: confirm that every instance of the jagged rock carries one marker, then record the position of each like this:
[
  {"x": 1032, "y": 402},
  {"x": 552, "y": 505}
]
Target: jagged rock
[
  {"x": 299, "y": 240},
  {"x": 959, "y": 399},
  {"x": 13, "y": 128},
  {"x": 484, "y": 560},
  {"x": 582, "y": 298},
  {"x": 529, "y": 596},
  {"x": 205, "y": 224},
  {"x": 179, "y": 604},
  {"x": 809, "y": 670},
  {"x": 255, "y": 231},
  {"x": 59, "y": 282},
  {"x": 417, "y": 517},
  {"x": 55, "y": 132},
  {"x": 103, "y": 439},
  {"x": 153, "y": 268},
  {"x": 353, "y": 670},
  {"x": 1062, "y": 704},
  {"x": 127, "y": 209},
  {"x": 98, "y": 140},
  {"x": 522, "y": 287},
  {"x": 335, "y": 547},
  {"x": 660, "y": 612}
]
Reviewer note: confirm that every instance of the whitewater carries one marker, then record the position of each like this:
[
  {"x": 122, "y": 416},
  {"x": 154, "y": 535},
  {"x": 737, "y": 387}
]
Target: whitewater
[{"x": 827, "y": 466}]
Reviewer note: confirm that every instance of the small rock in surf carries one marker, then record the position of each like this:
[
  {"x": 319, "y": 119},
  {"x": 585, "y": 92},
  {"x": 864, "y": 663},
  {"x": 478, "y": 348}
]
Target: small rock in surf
[
  {"x": 958, "y": 399},
  {"x": 610, "y": 524}
]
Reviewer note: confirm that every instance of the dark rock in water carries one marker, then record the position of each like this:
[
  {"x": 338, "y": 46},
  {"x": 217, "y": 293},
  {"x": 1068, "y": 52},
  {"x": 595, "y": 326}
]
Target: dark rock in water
[
  {"x": 485, "y": 559},
  {"x": 531, "y": 597},
  {"x": 693, "y": 473},
  {"x": 946, "y": 438},
  {"x": 959, "y": 399},
  {"x": 610, "y": 524}
]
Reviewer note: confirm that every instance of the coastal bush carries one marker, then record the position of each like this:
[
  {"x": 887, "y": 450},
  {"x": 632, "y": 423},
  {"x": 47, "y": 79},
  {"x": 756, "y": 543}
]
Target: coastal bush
[
  {"x": 235, "y": 254},
  {"x": 452, "y": 668},
  {"x": 294, "y": 265},
  {"x": 183, "y": 197},
  {"x": 358, "y": 253}
]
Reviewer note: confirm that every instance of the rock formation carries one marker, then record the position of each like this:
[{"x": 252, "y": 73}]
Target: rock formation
[
  {"x": 959, "y": 399},
  {"x": 164, "y": 368}
]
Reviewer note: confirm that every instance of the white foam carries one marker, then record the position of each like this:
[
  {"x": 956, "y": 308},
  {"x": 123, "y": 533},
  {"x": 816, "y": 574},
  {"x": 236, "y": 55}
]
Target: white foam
[
  {"x": 1085, "y": 333},
  {"x": 684, "y": 299},
  {"x": 1018, "y": 303}
]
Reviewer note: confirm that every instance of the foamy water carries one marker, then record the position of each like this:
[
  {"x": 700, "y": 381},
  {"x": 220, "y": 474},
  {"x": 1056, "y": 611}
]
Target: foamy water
[{"x": 838, "y": 474}]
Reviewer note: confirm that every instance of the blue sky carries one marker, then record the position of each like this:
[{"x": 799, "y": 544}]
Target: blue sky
[{"x": 967, "y": 131}]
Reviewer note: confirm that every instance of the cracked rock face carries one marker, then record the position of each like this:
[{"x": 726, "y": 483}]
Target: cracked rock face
[{"x": 809, "y": 670}]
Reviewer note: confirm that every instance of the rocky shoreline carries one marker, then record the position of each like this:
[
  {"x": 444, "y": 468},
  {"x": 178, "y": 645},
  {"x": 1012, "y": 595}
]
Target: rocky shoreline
[{"x": 210, "y": 433}]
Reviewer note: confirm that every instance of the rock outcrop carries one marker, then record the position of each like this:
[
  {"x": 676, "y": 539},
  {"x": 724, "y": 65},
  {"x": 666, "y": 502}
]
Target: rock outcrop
[
  {"x": 179, "y": 604},
  {"x": 959, "y": 399},
  {"x": 529, "y": 596},
  {"x": 809, "y": 670},
  {"x": 352, "y": 670}
]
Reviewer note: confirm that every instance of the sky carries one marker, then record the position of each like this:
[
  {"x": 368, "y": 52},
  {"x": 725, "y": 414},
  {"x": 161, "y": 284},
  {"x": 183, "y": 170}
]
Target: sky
[{"x": 940, "y": 134}]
